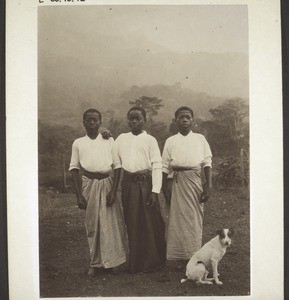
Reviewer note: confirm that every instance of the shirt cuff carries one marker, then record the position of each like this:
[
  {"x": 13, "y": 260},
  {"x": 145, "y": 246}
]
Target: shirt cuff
[
  {"x": 207, "y": 165},
  {"x": 207, "y": 162},
  {"x": 73, "y": 167},
  {"x": 156, "y": 190}
]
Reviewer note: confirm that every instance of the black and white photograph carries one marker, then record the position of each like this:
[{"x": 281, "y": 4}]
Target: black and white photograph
[
  {"x": 169, "y": 85},
  {"x": 145, "y": 179}
]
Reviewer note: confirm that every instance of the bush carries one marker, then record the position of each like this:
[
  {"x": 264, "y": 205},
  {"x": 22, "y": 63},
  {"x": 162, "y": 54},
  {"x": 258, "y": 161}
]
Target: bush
[{"x": 228, "y": 173}]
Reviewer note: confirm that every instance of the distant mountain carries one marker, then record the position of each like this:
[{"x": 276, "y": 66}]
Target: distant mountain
[
  {"x": 172, "y": 97},
  {"x": 108, "y": 71}
]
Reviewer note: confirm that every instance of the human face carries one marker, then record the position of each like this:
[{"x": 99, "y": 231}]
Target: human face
[
  {"x": 184, "y": 121},
  {"x": 136, "y": 121},
  {"x": 92, "y": 121}
]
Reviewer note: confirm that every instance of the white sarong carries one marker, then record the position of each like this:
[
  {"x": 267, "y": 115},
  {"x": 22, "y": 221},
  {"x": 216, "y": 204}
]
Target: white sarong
[
  {"x": 105, "y": 227},
  {"x": 186, "y": 215}
]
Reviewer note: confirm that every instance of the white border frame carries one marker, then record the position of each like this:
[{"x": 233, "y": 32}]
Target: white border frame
[{"x": 266, "y": 154}]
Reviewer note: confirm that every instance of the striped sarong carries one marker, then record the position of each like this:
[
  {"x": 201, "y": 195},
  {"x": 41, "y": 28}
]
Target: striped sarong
[
  {"x": 185, "y": 227},
  {"x": 105, "y": 225}
]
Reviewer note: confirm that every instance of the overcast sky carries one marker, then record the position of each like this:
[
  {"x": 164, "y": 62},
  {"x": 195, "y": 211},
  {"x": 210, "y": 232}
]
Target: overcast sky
[{"x": 181, "y": 28}]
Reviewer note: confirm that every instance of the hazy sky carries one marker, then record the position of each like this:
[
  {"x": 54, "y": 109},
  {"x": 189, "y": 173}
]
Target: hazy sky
[
  {"x": 181, "y": 28},
  {"x": 111, "y": 48}
]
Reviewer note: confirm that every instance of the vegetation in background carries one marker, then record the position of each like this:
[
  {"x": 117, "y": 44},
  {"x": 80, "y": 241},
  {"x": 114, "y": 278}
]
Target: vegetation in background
[{"x": 227, "y": 131}]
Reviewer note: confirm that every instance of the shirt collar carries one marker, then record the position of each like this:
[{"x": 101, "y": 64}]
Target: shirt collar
[
  {"x": 143, "y": 133},
  {"x": 88, "y": 138},
  {"x": 184, "y": 136}
]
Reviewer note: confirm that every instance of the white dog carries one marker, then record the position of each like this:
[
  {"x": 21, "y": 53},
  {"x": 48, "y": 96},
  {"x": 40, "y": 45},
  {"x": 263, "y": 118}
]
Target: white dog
[{"x": 209, "y": 255}]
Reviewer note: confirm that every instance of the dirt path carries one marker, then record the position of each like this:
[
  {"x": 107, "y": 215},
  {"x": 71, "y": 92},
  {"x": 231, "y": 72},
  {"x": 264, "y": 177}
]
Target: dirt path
[{"x": 64, "y": 254}]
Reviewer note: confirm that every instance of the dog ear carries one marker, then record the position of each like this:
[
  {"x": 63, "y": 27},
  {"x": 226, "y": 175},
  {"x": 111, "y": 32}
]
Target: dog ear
[{"x": 231, "y": 231}]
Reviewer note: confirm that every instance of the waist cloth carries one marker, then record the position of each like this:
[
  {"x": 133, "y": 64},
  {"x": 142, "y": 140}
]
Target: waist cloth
[
  {"x": 105, "y": 227},
  {"x": 95, "y": 175},
  {"x": 186, "y": 215},
  {"x": 145, "y": 226}
]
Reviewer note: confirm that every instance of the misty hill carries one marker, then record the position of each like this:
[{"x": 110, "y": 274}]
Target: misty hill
[
  {"x": 101, "y": 69},
  {"x": 172, "y": 97}
]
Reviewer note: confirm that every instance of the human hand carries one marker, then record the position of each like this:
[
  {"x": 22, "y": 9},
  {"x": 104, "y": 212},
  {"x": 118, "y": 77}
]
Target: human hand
[
  {"x": 110, "y": 198},
  {"x": 81, "y": 202},
  {"x": 206, "y": 193},
  {"x": 154, "y": 201},
  {"x": 105, "y": 133}
]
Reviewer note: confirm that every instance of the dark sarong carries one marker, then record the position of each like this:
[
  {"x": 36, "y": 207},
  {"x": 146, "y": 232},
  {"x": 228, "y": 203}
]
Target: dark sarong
[{"x": 145, "y": 226}]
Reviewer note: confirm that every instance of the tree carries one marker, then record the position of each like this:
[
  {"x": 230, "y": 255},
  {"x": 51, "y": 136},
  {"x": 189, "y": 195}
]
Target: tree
[
  {"x": 233, "y": 115},
  {"x": 150, "y": 104},
  {"x": 115, "y": 126},
  {"x": 55, "y": 140},
  {"x": 219, "y": 137},
  {"x": 159, "y": 131},
  {"x": 54, "y": 144}
]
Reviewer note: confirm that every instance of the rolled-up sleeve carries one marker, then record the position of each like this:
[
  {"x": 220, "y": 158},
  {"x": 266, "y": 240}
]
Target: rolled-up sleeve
[
  {"x": 74, "y": 162},
  {"x": 156, "y": 164},
  {"x": 156, "y": 178},
  {"x": 207, "y": 161}
]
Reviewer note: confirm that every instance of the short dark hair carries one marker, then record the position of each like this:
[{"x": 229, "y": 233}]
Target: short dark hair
[
  {"x": 184, "y": 108},
  {"x": 89, "y": 111},
  {"x": 143, "y": 112}
]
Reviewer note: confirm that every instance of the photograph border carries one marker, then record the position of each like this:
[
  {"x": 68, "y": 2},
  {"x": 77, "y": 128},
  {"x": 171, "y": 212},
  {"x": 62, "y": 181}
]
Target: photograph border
[{"x": 17, "y": 108}]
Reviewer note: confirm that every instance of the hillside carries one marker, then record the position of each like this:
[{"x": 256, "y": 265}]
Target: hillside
[
  {"x": 106, "y": 71},
  {"x": 172, "y": 97}
]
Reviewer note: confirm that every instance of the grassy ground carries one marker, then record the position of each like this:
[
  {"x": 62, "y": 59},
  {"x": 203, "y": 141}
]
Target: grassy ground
[{"x": 64, "y": 253}]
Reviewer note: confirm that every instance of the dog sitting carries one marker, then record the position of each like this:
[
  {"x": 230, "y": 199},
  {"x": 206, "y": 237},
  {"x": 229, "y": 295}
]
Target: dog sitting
[{"x": 209, "y": 255}]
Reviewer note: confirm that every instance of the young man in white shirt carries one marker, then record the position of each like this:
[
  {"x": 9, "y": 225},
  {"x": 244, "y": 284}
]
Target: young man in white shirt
[
  {"x": 138, "y": 154},
  {"x": 185, "y": 155},
  {"x": 105, "y": 228}
]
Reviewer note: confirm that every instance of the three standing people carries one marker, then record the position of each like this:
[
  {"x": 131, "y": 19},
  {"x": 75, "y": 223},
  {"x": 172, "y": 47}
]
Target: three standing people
[{"x": 138, "y": 154}]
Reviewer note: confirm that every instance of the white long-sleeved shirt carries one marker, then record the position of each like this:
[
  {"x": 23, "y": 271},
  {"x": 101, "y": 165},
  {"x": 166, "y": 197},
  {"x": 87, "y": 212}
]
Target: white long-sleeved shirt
[
  {"x": 140, "y": 152},
  {"x": 186, "y": 151},
  {"x": 92, "y": 155}
]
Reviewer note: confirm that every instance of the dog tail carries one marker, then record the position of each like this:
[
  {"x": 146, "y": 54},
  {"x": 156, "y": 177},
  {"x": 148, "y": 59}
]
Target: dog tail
[{"x": 184, "y": 279}]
